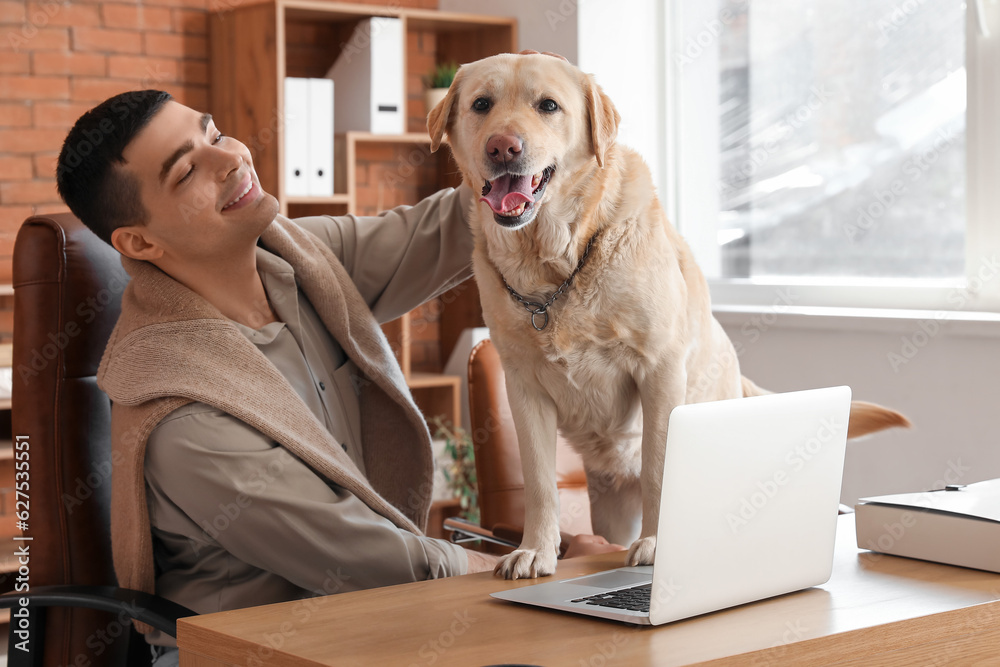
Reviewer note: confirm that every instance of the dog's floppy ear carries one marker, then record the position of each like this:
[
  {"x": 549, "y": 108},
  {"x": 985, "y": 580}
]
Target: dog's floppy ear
[
  {"x": 603, "y": 117},
  {"x": 440, "y": 117}
]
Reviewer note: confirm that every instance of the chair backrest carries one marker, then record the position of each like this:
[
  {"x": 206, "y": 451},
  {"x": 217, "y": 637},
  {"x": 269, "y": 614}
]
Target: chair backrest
[
  {"x": 498, "y": 459},
  {"x": 67, "y": 295}
]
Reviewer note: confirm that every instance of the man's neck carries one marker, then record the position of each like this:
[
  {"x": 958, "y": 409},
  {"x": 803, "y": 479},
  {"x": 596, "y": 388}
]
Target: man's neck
[{"x": 232, "y": 285}]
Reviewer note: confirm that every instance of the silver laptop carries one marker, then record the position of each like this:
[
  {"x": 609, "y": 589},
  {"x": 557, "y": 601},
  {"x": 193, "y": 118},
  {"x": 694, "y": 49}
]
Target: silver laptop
[{"x": 751, "y": 489}]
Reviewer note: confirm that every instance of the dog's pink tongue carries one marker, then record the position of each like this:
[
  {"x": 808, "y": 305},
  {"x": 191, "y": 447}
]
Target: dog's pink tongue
[{"x": 508, "y": 192}]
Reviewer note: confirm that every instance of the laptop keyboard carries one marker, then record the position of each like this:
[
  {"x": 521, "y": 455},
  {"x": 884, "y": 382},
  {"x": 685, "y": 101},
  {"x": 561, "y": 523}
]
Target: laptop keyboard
[{"x": 632, "y": 599}]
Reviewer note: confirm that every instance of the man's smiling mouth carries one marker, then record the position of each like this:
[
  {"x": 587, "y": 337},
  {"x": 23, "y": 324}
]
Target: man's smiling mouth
[
  {"x": 512, "y": 197},
  {"x": 241, "y": 195}
]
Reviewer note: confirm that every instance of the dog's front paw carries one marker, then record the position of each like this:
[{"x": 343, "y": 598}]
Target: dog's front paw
[
  {"x": 641, "y": 552},
  {"x": 527, "y": 564}
]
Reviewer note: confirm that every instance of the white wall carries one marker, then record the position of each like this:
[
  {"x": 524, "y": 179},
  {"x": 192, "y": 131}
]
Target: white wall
[
  {"x": 621, "y": 43},
  {"x": 542, "y": 25},
  {"x": 944, "y": 379},
  {"x": 617, "y": 42}
]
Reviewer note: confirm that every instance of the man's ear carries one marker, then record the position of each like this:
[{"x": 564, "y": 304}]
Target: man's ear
[
  {"x": 132, "y": 241},
  {"x": 603, "y": 117},
  {"x": 440, "y": 117}
]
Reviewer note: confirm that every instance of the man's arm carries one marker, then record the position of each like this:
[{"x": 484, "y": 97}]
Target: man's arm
[
  {"x": 287, "y": 520},
  {"x": 407, "y": 255}
]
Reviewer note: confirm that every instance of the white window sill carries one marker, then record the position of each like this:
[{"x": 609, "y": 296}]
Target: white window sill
[{"x": 875, "y": 320}]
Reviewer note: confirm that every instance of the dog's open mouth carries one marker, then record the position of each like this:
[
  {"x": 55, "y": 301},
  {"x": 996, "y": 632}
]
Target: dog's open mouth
[{"x": 512, "y": 197}]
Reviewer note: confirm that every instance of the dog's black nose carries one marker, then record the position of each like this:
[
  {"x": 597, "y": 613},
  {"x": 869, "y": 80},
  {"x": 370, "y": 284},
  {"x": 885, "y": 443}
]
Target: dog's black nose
[{"x": 504, "y": 147}]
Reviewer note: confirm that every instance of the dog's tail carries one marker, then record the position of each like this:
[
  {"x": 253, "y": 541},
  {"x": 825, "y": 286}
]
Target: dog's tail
[{"x": 865, "y": 417}]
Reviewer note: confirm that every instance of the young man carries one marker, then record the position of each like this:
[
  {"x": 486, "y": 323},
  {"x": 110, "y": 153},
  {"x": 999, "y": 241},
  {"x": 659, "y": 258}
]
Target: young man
[{"x": 268, "y": 447}]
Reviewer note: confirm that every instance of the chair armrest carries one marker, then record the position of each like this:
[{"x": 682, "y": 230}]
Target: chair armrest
[
  {"x": 505, "y": 535},
  {"x": 152, "y": 610},
  {"x": 465, "y": 531}
]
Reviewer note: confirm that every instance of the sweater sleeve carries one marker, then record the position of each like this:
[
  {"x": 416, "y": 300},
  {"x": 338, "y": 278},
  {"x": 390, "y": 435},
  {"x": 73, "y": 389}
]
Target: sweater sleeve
[
  {"x": 216, "y": 481},
  {"x": 405, "y": 256}
]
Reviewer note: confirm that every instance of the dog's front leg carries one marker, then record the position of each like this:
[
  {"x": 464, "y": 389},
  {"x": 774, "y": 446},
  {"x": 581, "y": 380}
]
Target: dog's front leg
[
  {"x": 659, "y": 392},
  {"x": 535, "y": 422}
]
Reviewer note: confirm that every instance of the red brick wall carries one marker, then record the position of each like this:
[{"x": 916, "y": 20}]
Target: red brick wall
[{"x": 58, "y": 59}]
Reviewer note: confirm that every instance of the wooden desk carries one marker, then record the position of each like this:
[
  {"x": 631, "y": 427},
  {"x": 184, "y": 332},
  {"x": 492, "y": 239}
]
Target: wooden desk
[{"x": 875, "y": 610}]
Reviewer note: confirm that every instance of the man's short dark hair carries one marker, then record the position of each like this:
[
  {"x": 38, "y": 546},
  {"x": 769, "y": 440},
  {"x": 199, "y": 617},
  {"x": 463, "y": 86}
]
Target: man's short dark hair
[{"x": 89, "y": 176}]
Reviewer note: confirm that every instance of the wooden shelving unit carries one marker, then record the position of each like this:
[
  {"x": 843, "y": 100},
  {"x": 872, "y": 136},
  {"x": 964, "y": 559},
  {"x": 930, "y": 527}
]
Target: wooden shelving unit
[{"x": 254, "y": 47}]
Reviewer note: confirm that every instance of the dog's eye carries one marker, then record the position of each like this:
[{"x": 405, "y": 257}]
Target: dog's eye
[
  {"x": 548, "y": 106},
  {"x": 481, "y": 104}
]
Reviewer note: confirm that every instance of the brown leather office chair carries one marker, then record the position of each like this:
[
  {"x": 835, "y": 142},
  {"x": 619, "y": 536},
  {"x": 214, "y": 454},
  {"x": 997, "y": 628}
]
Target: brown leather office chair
[
  {"x": 67, "y": 294},
  {"x": 498, "y": 462}
]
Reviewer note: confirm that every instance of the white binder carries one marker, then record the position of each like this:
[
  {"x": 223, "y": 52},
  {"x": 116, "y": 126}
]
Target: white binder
[
  {"x": 308, "y": 126},
  {"x": 296, "y": 124},
  {"x": 320, "y": 139},
  {"x": 369, "y": 75}
]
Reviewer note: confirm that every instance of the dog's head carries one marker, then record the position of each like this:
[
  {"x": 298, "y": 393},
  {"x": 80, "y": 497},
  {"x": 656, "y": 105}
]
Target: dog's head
[{"x": 518, "y": 124}]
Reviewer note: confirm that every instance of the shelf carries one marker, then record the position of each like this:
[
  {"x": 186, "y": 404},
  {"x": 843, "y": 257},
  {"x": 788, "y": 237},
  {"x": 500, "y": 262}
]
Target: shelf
[
  {"x": 437, "y": 395},
  {"x": 418, "y": 19},
  {"x": 431, "y": 380},
  {"x": 312, "y": 10},
  {"x": 408, "y": 138},
  {"x": 343, "y": 199},
  {"x": 430, "y": 19}
]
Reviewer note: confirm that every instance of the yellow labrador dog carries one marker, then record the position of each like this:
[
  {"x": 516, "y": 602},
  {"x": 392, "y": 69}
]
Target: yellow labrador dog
[{"x": 594, "y": 302}]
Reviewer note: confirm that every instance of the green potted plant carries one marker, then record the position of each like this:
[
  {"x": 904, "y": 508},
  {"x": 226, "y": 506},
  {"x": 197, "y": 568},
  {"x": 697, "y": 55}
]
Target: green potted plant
[
  {"x": 438, "y": 82},
  {"x": 460, "y": 472}
]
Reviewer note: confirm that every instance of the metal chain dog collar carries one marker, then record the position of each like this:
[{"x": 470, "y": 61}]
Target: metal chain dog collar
[{"x": 536, "y": 308}]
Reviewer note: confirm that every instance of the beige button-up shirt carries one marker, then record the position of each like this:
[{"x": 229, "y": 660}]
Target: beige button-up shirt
[{"x": 237, "y": 520}]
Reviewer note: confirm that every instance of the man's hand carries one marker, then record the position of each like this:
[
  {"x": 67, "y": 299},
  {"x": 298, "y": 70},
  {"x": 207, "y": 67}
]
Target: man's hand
[
  {"x": 587, "y": 545},
  {"x": 580, "y": 545},
  {"x": 532, "y": 52},
  {"x": 480, "y": 562}
]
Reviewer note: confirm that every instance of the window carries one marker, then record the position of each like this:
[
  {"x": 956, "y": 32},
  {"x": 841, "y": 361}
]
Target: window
[{"x": 843, "y": 148}]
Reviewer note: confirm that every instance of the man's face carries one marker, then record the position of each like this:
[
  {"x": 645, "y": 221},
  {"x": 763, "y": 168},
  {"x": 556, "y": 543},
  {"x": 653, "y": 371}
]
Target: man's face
[{"x": 200, "y": 189}]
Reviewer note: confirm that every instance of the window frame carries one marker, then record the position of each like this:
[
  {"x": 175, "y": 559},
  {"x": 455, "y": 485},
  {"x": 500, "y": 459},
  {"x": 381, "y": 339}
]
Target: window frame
[{"x": 690, "y": 171}]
